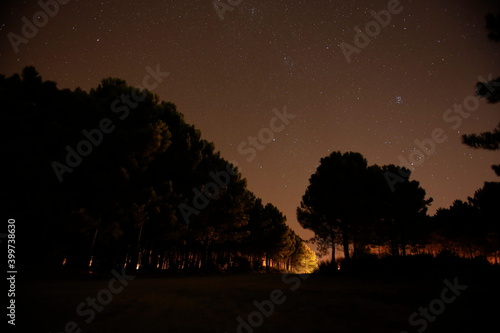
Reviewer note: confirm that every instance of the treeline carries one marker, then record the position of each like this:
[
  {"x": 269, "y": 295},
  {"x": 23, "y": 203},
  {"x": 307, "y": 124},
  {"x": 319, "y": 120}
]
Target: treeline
[
  {"x": 373, "y": 210},
  {"x": 471, "y": 228},
  {"x": 114, "y": 177}
]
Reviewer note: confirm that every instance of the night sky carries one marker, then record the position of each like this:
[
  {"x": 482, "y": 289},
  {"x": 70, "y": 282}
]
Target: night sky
[{"x": 230, "y": 76}]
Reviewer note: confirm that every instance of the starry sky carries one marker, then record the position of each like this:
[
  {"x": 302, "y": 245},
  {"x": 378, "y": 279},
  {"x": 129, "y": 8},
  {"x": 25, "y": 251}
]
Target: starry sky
[{"x": 232, "y": 69}]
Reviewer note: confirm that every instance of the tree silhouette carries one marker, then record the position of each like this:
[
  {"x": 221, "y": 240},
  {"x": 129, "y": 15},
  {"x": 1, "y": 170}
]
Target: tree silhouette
[
  {"x": 349, "y": 202},
  {"x": 404, "y": 212},
  {"x": 471, "y": 228},
  {"x": 331, "y": 205},
  {"x": 486, "y": 200},
  {"x": 491, "y": 92},
  {"x": 493, "y": 25}
]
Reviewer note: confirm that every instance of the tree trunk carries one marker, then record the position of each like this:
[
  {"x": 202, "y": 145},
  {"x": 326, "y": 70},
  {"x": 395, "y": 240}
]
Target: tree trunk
[
  {"x": 394, "y": 248},
  {"x": 345, "y": 241},
  {"x": 334, "y": 260}
]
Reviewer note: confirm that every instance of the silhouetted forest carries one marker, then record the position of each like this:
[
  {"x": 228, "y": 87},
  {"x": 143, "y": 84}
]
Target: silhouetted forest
[
  {"x": 373, "y": 210},
  {"x": 115, "y": 178}
]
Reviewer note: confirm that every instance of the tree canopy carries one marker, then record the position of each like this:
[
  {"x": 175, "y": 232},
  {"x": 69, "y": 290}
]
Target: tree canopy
[
  {"x": 364, "y": 208},
  {"x": 115, "y": 177},
  {"x": 489, "y": 90},
  {"x": 349, "y": 202}
]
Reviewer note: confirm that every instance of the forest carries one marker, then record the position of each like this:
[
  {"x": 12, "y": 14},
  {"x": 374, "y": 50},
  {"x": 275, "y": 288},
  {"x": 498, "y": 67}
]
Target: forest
[
  {"x": 104, "y": 181},
  {"x": 114, "y": 177},
  {"x": 373, "y": 210}
]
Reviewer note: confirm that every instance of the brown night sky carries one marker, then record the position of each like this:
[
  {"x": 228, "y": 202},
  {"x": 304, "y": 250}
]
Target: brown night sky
[{"x": 226, "y": 76}]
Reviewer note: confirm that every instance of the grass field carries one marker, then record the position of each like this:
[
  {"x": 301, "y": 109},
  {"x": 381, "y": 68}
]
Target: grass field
[{"x": 338, "y": 303}]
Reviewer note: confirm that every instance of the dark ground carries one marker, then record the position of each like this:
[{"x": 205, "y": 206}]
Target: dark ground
[{"x": 320, "y": 303}]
